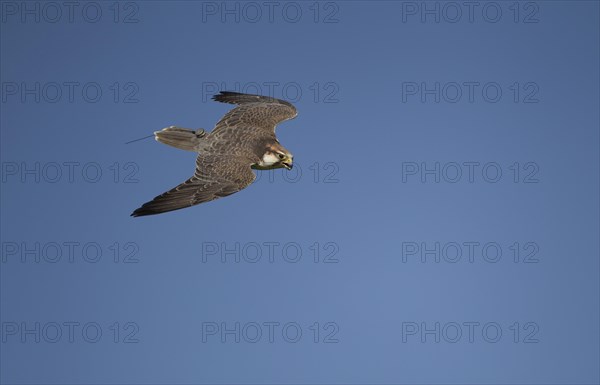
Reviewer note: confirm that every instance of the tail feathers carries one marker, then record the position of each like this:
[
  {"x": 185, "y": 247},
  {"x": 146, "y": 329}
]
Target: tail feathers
[{"x": 182, "y": 138}]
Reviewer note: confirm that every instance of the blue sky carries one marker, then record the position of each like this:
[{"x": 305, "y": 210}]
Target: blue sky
[{"x": 440, "y": 225}]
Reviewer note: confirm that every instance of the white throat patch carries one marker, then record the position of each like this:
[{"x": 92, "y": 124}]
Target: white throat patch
[{"x": 268, "y": 159}]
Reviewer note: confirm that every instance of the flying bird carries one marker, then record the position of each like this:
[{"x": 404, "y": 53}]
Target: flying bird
[{"x": 244, "y": 139}]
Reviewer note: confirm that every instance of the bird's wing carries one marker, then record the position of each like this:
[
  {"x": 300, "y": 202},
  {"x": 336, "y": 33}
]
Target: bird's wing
[
  {"x": 215, "y": 177},
  {"x": 255, "y": 111}
]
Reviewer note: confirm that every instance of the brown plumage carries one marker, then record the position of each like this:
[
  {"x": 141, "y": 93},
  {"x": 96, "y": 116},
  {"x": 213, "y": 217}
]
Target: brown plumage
[{"x": 243, "y": 139}]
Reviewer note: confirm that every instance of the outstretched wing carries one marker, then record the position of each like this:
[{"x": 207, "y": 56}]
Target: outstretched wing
[
  {"x": 215, "y": 177},
  {"x": 254, "y": 111}
]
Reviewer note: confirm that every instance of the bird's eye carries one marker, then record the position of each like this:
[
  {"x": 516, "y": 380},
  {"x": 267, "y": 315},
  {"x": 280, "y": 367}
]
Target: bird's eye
[{"x": 281, "y": 156}]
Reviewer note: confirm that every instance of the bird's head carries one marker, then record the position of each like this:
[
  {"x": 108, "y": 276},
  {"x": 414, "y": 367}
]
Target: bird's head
[{"x": 276, "y": 156}]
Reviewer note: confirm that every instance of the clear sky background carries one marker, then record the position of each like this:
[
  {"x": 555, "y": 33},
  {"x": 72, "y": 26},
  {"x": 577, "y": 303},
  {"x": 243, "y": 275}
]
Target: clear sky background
[{"x": 440, "y": 226}]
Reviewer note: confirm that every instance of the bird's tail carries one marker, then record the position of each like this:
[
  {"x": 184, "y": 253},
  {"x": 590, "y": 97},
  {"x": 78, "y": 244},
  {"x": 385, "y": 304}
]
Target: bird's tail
[{"x": 182, "y": 138}]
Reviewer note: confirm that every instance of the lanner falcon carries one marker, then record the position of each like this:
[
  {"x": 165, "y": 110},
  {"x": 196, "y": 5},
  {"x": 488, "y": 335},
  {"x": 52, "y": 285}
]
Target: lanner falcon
[{"x": 244, "y": 139}]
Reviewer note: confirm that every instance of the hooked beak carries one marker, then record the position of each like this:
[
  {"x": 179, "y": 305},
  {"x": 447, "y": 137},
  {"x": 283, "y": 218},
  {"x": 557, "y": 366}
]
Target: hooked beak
[{"x": 288, "y": 163}]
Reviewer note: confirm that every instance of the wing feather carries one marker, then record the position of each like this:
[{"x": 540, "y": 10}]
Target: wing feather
[
  {"x": 256, "y": 111},
  {"x": 214, "y": 178}
]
